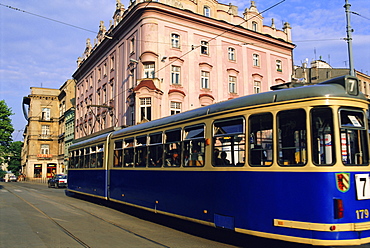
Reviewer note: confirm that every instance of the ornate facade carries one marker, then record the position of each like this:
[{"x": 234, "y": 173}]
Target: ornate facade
[
  {"x": 49, "y": 131},
  {"x": 163, "y": 57}
]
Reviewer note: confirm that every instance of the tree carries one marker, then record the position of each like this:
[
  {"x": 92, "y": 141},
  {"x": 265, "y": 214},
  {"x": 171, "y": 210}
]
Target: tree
[
  {"x": 14, "y": 162},
  {"x": 6, "y": 130}
]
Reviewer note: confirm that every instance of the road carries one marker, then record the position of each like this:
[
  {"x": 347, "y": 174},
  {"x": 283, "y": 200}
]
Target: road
[{"x": 32, "y": 215}]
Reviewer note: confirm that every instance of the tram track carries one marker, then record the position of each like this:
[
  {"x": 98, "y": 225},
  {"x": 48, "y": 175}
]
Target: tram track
[{"x": 16, "y": 192}]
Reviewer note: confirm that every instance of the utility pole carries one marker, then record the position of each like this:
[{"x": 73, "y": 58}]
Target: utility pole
[{"x": 349, "y": 38}]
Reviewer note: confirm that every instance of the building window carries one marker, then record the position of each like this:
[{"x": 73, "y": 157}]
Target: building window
[
  {"x": 45, "y": 131},
  {"x": 132, "y": 45},
  {"x": 255, "y": 26},
  {"x": 257, "y": 87},
  {"x": 231, "y": 53},
  {"x": 175, "y": 74},
  {"x": 146, "y": 109},
  {"x": 99, "y": 97},
  {"x": 112, "y": 63},
  {"x": 132, "y": 78},
  {"x": 45, "y": 114},
  {"x": 232, "y": 84},
  {"x": 104, "y": 93},
  {"x": 175, "y": 40},
  {"x": 207, "y": 11},
  {"x": 175, "y": 108},
  {"x": 204, "y": 80},
  {"x": 105, "y": 70},
  {"x": 256, "y": 60},
  {"x": 279, "y": 66},
  {"x": 99, "y": 74},
  {"x": 149, "y": 70},
  {"x": 44, "y": 149},
  {"x": 204, "y": 49}
]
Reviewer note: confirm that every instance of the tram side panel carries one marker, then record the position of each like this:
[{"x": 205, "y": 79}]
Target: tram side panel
[
  {"x": 183, "y": 193},
  {"x": 90, "y": 182},
  {"x": 286, "y": 203}
]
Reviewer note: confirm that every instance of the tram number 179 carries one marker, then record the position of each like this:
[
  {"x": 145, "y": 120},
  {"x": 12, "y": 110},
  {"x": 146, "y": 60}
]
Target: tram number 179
[
  {"x": 362, "y": 214},
  {"x": 362, "y": 186}
]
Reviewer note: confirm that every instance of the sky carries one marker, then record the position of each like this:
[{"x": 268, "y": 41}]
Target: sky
[{"x": 38, "y": 52}]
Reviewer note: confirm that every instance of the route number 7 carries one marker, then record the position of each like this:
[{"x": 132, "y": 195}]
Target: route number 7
[{"x": 362, "y": 186}]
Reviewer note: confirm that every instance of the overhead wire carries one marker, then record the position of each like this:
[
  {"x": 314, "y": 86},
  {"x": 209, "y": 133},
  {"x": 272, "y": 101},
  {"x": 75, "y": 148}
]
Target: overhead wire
[{"x": 47, "y": 18}]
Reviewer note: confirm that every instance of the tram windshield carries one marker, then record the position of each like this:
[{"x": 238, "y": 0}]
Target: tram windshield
[{"x": 353, "y": 135}]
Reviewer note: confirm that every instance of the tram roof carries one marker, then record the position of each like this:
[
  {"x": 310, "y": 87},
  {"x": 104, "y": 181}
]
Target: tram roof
[{"x": 92, "y": 140}]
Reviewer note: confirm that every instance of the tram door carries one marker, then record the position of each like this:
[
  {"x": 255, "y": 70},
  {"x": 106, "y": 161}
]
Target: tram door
[{"x": 322, "y": 135}]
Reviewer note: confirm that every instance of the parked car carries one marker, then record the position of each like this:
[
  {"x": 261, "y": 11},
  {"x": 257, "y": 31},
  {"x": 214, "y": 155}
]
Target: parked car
[
  {"x": 12, "y": 179},
  {"x": 58, "y": 181}
]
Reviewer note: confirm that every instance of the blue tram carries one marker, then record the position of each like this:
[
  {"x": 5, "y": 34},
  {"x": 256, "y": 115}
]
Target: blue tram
[{"x": 291, "y": 164}]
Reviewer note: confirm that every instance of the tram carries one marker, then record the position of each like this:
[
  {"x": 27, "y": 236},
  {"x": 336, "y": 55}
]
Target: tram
[{"x": 291, "y": 164}]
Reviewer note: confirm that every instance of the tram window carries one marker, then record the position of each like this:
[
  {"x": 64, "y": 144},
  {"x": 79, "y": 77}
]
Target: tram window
[
  {"x": 173, "y": 148},
  {"x": 229, "y": 142},
  {"x": 260, "y": 139},
  {"x": 117, "y": 161},
  {"x": 322, "y": 136},
  {"x": 141, "y": 152},
  {"x": 76, "y": 158},
  {"x": 93, "y": 157},
  {"x": 155, "y": 150},
  {"x": 354, "y": 139},
  {"x": 194, "y": 146},
  {"x": 129, "y": 153},
  {"x": 292, "y": 137},
  {"x": 72, "y": 160},
  {"x": 100, "y": 156},
  {"x": 87, "y": 158},
  {"x": 81, "y": 158}
]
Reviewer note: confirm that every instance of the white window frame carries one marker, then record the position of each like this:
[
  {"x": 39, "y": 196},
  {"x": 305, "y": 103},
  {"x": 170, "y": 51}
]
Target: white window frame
[
  {"x": 256, "y": 87},
  {"x": 204, "y": 80},
  {"x": 149, "y": 70},
  {"x": 175, "y": 40},
  {"x": 232, "y": 84},
  {"x": 175, "y": 75},
  {"x": 231, "y": 53},
  {"x": 256, "y": 60},
  {"x": 255, "y": 26},
  {"x": 45, "y": 114},
  {"x": 145, "y": 108},
  {"x": 204, "y": 47},
  {"x": 45, "y": 130},
  {"x": 44, "y": 149},
  {"x": 207, "y": 11},
  {"x": 175, "y": 107}
]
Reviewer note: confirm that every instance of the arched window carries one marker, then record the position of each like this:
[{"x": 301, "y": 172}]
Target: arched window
[
  {"x": 207, "y": 11},
  {"x": 255, "y": 26}
]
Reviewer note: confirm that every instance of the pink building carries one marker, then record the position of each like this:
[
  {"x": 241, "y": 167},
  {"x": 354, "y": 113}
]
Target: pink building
[{"x": 163, "y": 57}]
